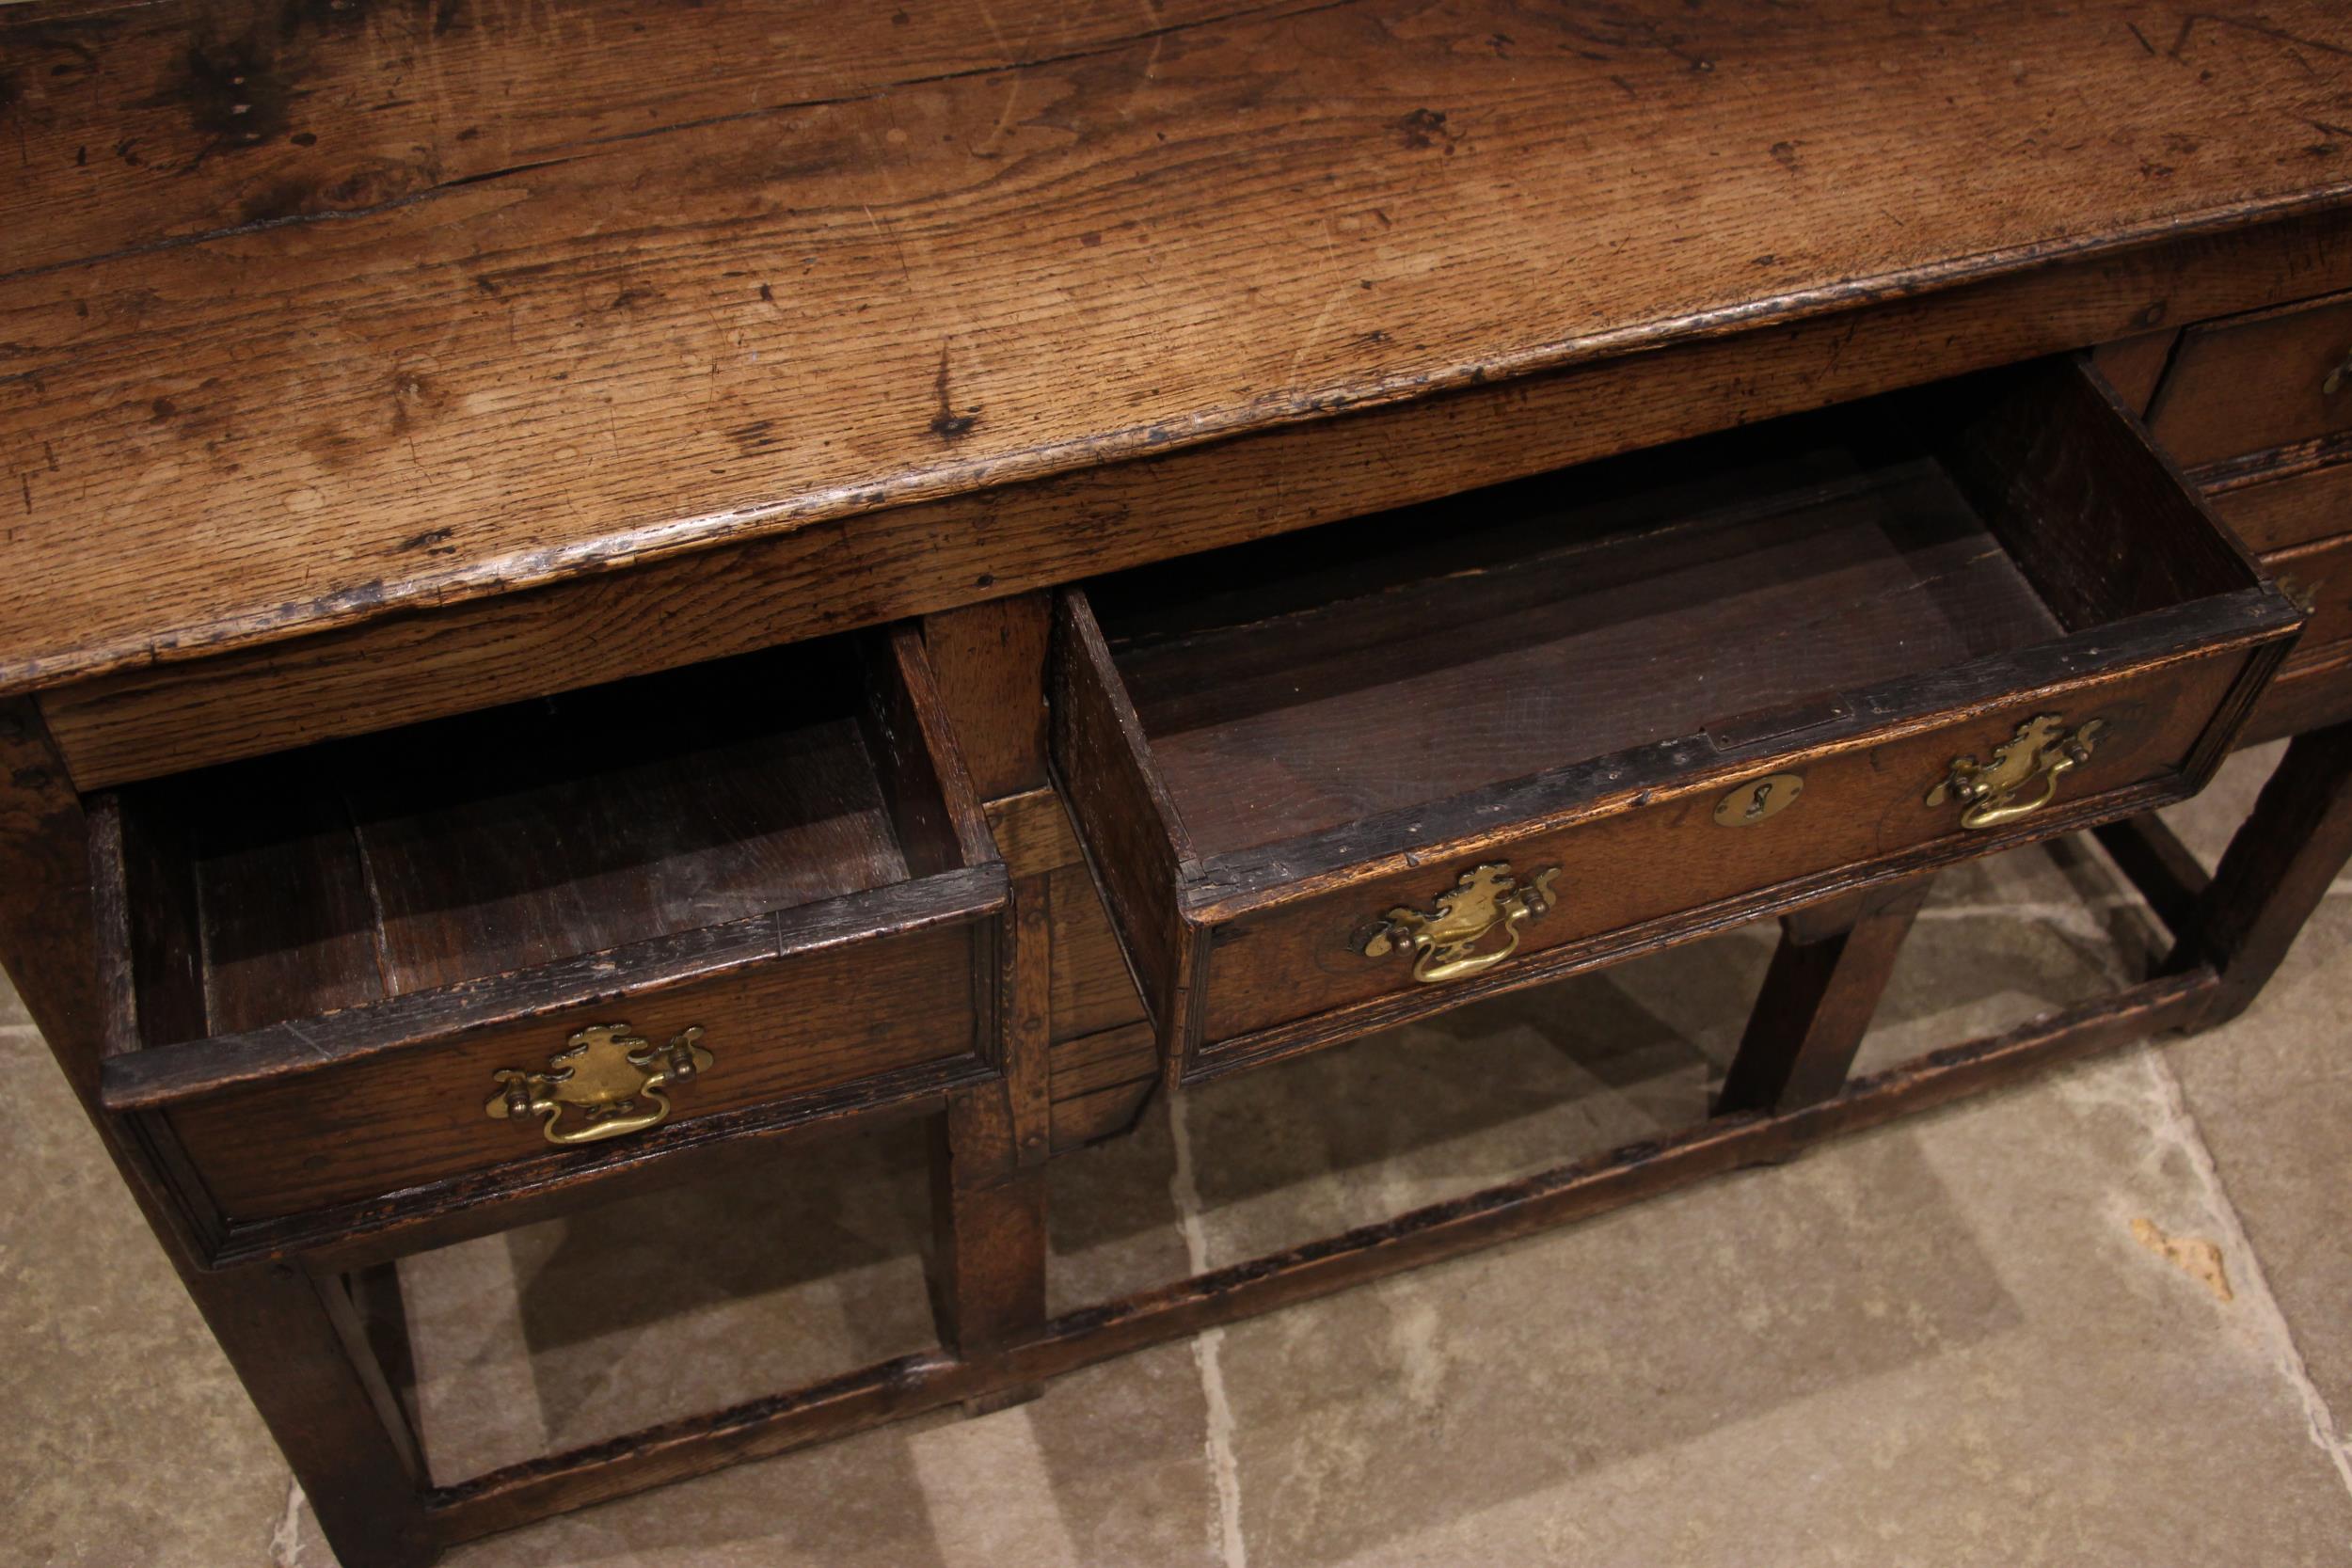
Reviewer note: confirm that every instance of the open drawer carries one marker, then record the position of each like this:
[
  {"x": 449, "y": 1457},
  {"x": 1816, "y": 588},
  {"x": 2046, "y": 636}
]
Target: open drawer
[
  {"x": 591, "y": 928},
  {"x": 1333, "y": 781}
]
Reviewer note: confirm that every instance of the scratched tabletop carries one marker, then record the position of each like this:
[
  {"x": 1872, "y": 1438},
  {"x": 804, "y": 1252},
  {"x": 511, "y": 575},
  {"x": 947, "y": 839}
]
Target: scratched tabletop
[{"x": 313, "y": 311}]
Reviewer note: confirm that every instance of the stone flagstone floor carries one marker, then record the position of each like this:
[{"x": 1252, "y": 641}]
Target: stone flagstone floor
[{"x": 2098, "y": 1319}]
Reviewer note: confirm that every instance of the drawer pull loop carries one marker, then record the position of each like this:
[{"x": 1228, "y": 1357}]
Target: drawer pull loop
[
  {"x": 2042, "y": 748},
  {"x": 615, "y": 1079},
  {"x": 2336, "y": 377},
  {"x": 1446, "y": 945}
]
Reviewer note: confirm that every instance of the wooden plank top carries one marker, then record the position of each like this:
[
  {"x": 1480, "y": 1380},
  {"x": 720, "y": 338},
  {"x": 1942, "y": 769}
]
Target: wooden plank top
[{"x": 318, "y": 309}]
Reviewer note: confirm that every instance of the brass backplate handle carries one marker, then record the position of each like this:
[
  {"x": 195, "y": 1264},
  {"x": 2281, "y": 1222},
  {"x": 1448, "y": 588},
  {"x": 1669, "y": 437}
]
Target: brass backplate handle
[
  {"x": 2022, "y": 776},
  {"x": 613, "y": 1078},
  {"x": 1454, "y": 942}
]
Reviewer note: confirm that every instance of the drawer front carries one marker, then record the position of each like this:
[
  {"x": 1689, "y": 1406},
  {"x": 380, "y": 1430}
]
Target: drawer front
[
  {"x": 2257, "y": 384},
  {"x": 2281, "y": 513},
  {"x": 779, "y": 1034},
  {"x": 1858, "y": 809},
  {"x": 2319, "y": 578}
]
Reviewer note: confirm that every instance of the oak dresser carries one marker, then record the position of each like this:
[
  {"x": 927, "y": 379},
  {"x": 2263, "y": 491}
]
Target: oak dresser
[{"x": 592, "y": 589}]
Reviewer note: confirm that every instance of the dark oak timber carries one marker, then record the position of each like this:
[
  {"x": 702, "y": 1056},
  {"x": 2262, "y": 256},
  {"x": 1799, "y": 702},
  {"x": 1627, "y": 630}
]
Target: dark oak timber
[
  {"x": 2256, "y": 384},
  {"x": 974, "y": 550},
  {"x": 991, "y": 663},
  {"x": 799, "y": 869},
  {"x": 1823, "y": 986},
  {"x": 485, "y": 374},
  {"x": 822, "y": 577},
  {"x": 316, "y": 1385},
  {"x": 1265, "y": 750},
  {"x": 2274, "y": 875}
]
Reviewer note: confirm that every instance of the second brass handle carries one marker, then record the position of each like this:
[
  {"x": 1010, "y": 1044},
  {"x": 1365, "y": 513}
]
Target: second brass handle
[
  {"x": 1449, "y": 942},
  {"x": 1430, "y": 970},
  {"x": 613, "y": 1079},
  {"x": 1993, "y": 813},
  {"x": 2002, "y": 790}
]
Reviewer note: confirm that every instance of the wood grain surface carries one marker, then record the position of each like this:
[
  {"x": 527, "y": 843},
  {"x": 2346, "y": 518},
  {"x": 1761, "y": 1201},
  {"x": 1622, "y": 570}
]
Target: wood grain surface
[
  {"x": 2311, "y": 696},
  {"x": 917, "y": 558},
  {"x": 1664, "y": 860},
  {"x": 2295, "y": 509},
  {"x": 341, "y": 945},
  {"x": 775, "y": 1031},
  {"x": 1383, "y": 696},
  {"x": 2241, "y": 388},
  {"x": 310, "y": 315},
  {"x": 2318, "y": 576}
]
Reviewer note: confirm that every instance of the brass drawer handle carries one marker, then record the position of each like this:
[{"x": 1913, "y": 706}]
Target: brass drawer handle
[
  {"x": 1446, "y": 943},
  {"x": 2042, "y": 748},
  {"x": 2336, "y": 377},
  {"x": 613, "y": 1078}
]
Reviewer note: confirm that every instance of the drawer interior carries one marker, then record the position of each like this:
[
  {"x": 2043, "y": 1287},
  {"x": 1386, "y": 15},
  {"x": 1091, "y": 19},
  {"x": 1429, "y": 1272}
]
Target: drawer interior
[
  {"x": 296, "y": 885},
  {"x": 1736, "y": 584}
]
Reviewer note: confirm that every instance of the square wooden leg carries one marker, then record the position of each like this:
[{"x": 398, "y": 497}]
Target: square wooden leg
[
  {"x": 2275, "y": 872},
  {"x": 1818, "y": 999},
  {"x": 298, "y": 1346},
  {"x": 295, "y": 1341},
  {"x": 990, "y": 1216},
  {"x": 988, "y": 1197}
]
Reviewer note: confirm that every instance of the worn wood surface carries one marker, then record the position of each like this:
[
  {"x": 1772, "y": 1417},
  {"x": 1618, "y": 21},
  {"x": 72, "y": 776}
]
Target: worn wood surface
[
  {"x": 988, "y": 1209},
  {"x": 524, "y": 867},
  {"x": 46, "y": 919},
  {"x": 2297, "y": 508},
  {"x": 1377, "y": 674},
  {"x": 991, "y": 663},
  {"x": 1027, "y": 1032},
  {"x": 296, "y": 1345},
  {"x": 2311, "y": 696},
  {"x": 778, "y": 1031},
  {"x": 1290, "y": 972},
  {"x": 812, "y": 286},
  {"x": 1033, "y": 832},
  {"x": 1093, "y": 990},
  {"x": 2318, "y": 576},
  {"x": 1134, "y": 840},
  {"x": 1331, "y": 725},
  {"x": 321, "y": 1395},
  {"x": 2098, "y": 516},
  {"x": 2257, "y": 384},
  {"x": 383, "y": 928},
  {"x": 2134, "y": 366},
  {"x": 1100, "y": 1082},
  {"x": 922, "y": 558},
  {"x": 1294, "y": 686}
]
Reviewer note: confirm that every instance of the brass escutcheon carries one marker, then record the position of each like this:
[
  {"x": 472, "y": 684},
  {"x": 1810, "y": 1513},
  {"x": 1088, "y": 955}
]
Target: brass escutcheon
[
  {"x": 1758, "y": 800},
  {"x": 2042, "y": 747},
  {"x": 1446, "y": 945},
  {"x": 615, "y": 1079}
]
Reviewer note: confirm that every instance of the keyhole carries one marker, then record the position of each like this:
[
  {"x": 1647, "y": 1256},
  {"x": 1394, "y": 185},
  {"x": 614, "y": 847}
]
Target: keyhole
[{"x": 1755, "y": 802}]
